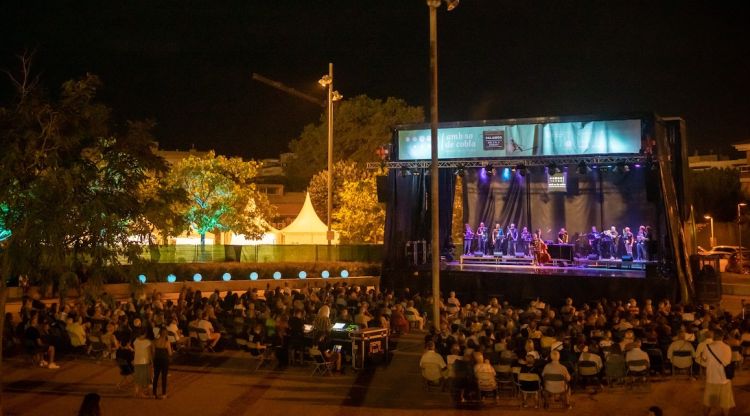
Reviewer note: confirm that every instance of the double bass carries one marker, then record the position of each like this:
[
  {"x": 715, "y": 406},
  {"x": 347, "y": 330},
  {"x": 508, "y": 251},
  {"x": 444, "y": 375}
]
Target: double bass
[{"x": 540, "y": 251}]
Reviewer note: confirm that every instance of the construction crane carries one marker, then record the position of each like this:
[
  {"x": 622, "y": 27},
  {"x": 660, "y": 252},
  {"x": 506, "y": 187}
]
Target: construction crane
[{"x": 288, "y": 90}]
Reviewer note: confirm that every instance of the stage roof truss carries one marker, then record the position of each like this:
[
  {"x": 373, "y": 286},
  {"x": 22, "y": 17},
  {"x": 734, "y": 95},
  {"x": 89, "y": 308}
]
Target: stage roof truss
[{"x": 611, "y": 159}]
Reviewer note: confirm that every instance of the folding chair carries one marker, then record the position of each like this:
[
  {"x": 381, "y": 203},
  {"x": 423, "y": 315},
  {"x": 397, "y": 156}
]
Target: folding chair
[
  {"x": 615, "y": 369},
  {"x": 529, "y": 384},
  {"x": 178, "y": 345},
  {"x": 321, "y": 366},
  {"x": 260, "y": 353},
  {"x": 487, "y": 386},
  {"x": 432, "y": 376},
  {"x": 201, "y": 336},
  {"x": 504, "y": 378},
  {"x": 682, "y": 360},
  {"x": 555, "y": 386},
  {"x": 96, "y": 347},
  {"x": 638, "y": 370},
  {"x": 586, "y": 370}
]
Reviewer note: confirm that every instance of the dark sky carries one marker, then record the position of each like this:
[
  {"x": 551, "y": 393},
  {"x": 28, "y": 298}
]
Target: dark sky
[{"x": 187, "y": 64}]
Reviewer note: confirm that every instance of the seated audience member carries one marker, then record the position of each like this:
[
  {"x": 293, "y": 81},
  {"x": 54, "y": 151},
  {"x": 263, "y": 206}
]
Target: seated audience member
[
  {"x": 411, "y": 310},
  {"x": 213, "y": 336},
  {"x": 34, "y": 338},
  {"x": 680, "y": 344},
  {"x": 325, "y": 346},
  {"x": 398, "y": 320},
  {"x": 76, "y": 332},
  {"x": 554, "y": 367},
  {"x": 635, "y": 353},
  {"x": 432, "y": 364}
]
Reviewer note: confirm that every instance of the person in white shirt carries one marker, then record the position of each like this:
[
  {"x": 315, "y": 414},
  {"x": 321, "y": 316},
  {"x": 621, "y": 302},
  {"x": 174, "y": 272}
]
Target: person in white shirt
[
  {"x": 718, "y": 391},
  {"x": 701, "y": 348},
  {"x": 635, "y": 353},
  {"x": 142, "y": 363},
  {"x": 411, "y": 310},
  {"x": 206, "y": 325},
  {"x": 432, "y": 364}
]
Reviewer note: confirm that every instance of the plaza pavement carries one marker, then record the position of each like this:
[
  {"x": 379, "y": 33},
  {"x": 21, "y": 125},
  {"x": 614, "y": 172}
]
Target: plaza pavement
[{"x": 223, "y": 384}]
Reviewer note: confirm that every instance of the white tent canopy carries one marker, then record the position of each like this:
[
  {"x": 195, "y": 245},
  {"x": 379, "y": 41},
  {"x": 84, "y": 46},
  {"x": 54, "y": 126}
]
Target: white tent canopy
[{"x": 307, "y": 228}]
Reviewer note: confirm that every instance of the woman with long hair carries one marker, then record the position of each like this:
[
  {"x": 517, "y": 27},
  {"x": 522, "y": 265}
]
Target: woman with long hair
[{"x": 162, "y": 351}]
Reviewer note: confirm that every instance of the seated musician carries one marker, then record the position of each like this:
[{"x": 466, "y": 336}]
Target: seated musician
[{"x": 562, "y": 236}]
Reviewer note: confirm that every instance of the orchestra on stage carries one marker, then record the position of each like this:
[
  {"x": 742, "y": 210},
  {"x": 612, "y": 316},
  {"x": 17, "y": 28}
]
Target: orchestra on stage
[{"x": 609, "y": 244}]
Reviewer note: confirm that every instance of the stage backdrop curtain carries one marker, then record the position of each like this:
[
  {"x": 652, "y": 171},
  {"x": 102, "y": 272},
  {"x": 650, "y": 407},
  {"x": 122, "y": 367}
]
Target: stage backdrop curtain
[
  {"x": 408, "y": 216},
  {"x": 592, "y": 199}
]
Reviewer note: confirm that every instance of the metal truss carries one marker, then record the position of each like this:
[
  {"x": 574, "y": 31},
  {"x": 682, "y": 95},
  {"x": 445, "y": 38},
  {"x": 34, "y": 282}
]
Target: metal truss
[{"x": 612, "y": 159}]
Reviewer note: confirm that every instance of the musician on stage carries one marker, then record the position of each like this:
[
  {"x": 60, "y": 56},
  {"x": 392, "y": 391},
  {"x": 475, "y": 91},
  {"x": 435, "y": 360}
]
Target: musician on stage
[
  {"x": 641, "y": 242},
  {"x": 468, "y": 237},
  {"x": 627, "y": 237},
  {"x": 526, "y": 240},
  {"x": 610, "y": 236},
  {"x": 497, "y": 239},
  {"x": 539, "y": 249},
  {"x": 594, "y": 238},
  {"x": 512, "y": 240},
  {"x": 562, "y": 236},
  {"x": 482, "y": 237}
]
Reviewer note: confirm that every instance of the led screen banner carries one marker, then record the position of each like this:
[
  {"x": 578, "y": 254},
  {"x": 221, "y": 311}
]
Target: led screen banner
[{"x": 524, "y": 140}]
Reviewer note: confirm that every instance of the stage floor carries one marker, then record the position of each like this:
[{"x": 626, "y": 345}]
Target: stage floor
[{"x": 580, "y": 270}]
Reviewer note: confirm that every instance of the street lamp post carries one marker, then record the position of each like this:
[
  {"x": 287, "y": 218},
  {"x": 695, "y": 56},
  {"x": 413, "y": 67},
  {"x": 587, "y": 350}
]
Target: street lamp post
[
  {"x": 712, "y": 240},
  {"x": 739, "y": 230},
  {"x": 327, "y": 81},
  {"x": 434, "y": 184}
]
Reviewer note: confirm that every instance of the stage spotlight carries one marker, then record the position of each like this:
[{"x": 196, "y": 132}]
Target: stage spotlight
[
  {"x": 626, "y": 168},
  {"x": 345, "y": 273},
  {"x": 451, "y": 4},
  {"x": 142, "y": 278},
  {"x": 459, "y": 171},
  {"x": 254, "y": 276},
  {"x": 489, "y": 169},
  {"x": 226, "y": 277},
  {"x": 277, "y": 275},
  {"x": 197, "y": 277},
  {"x": 506, "y": 174},
  {"x": 302, "y": 275},
  {"x": 171, "y": 278},
  {"x": 553, "y": 169},
  {"x": 326, "y": 274},
  {"x": 405, "y": 171},
  {"x": 521, "y": 169}
]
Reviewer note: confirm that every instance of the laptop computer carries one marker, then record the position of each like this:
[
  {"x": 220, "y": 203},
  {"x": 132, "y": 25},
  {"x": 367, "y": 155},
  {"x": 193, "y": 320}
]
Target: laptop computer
[{"x": 338, "y": 326}]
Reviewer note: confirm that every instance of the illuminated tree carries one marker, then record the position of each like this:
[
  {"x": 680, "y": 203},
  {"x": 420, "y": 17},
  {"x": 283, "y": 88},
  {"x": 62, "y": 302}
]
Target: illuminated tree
[
  {"x": 342, "y": 170},
  {"x": 360, "y": 126},
  {"x": 222, "y": 195},
  {"x": 359, "y": 218}
]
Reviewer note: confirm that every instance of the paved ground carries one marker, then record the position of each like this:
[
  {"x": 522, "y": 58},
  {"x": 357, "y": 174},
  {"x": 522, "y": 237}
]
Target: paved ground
[{"x": 222, "y": 384}]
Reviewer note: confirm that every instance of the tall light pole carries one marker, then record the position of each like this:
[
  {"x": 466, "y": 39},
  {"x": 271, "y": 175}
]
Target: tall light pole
[
  {"x": 712, "y": 240},
  {"x": 434, "y": 183},
  {"x": 327, "y": 81},
  {"x": 739, "y": 230}
]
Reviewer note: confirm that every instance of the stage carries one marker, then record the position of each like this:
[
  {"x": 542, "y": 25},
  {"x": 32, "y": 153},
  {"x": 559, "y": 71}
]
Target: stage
[{"x": 578, "y": 268}]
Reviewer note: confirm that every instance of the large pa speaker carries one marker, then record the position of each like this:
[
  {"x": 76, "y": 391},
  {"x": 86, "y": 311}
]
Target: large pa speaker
[
  {"x": 383, "y": 191},
  {"x": 572, "y": 186},
  {"x": 627, "y": 257}
]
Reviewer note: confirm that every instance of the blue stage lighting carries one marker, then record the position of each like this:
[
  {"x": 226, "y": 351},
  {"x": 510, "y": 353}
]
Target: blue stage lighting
[
  {"x": 142, "y": 278},
  {"x": 506, "y": 174},
  {"x": 197, "y": 277},
  {"x": 302, "y": 275},
  {"x": 254, "y": 276},
  {"x": 171, "y": 278},
  {"x": 344, "y": 273},
  {"x": 326, "y": 274},
  {"x": 277, "y": 275},
  {"x": 226, "y": 277}
]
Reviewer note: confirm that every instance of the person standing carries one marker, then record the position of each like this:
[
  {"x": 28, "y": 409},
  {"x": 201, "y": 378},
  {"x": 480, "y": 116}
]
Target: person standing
[
  {"x": 162, "y": 352},
  {"x": 482, "y": 238},
  {"x": 512, "y": 240},
  {"x": 141, "y": 362},
  {"x": 718, "y": 391},
  {"x": 468, "y": 237}
]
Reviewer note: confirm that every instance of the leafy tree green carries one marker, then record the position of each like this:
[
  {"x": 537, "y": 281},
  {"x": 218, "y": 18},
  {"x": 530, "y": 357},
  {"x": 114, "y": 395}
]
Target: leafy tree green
[
  {"x": 360, "y": 218},
  {"x": 222, "y": 195},
  {"x": 343, "y": 170},
  {"x": 69, "y": 185},
  {"x": 360, "y": 126}
]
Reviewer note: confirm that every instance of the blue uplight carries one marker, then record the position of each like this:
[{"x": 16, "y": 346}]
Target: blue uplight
[
  {"x": 142, "y": 278},
  {"x": 345, "y": 273},
  {"x": 226, "y": 277},
  {"x": 506, "y": 174},
  {"x": 302, "y": 275},
  {"x": 197, "y": 277},
  {"x": 326, "y": 274},
  {"x": 171, "y": 278},
  {"x": 254, "y": 276},
  {"x": 277, "y": 275}
]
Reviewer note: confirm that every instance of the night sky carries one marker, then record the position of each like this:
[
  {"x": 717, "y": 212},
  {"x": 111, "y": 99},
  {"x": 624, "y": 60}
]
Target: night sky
[{"x": 187, "y": 64}]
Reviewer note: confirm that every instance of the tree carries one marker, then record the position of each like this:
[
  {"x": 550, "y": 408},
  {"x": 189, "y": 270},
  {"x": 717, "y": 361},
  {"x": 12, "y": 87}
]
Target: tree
[
  {"x": 343, "y": 170},
  {"x": 222, "y": 195},
  {"x": 69, "y": 186},
  {"x": 361, "y": 125},
  {"x": 360, "y": 218}
]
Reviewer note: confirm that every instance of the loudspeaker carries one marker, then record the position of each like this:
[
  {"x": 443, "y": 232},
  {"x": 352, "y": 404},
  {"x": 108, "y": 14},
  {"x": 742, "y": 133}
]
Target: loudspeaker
[
  {"x": 593, "y": 256},
  {"x": 572, "y": 186},
  {"x": 383, "y": 192},
  {"x": 627, "y": 257}
]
